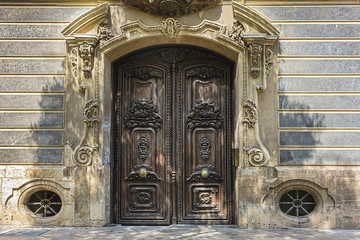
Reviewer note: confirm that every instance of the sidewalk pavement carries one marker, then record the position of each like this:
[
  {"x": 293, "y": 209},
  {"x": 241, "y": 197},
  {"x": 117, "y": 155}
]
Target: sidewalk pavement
[{"x": 197, "y": 232}]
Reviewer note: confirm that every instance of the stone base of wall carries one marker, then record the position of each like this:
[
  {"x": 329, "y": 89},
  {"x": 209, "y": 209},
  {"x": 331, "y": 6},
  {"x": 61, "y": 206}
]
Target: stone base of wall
[{"x": 335, "y": 191}]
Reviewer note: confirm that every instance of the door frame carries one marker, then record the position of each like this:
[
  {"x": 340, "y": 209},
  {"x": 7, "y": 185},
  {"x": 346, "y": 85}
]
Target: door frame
[{"x": 174, "y": 192}]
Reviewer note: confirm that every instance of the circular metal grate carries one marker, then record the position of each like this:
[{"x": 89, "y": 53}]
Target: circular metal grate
[
  {"x": 297, "y": 203},
  {"x": 44, "y": 203}
]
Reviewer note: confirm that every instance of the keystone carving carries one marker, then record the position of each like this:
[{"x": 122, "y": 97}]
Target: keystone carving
[
  {"x": 170, "y": 8},
  {"x": 170, "y": 27},
  {"x": 255, "y": 50},
  {"x": 103, "y": 33}
]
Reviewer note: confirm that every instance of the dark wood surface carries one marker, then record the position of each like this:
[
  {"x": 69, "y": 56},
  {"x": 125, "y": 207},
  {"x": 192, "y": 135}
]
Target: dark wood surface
[{"x": 173, "y": 137}]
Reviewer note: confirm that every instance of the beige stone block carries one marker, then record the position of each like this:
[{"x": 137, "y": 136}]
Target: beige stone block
[
  {"x": 31, "y": 155},
  {"x": 32, "y": 48},
  {"x": 2, "y": 171},
  {"x": 44, "y": 173},
  {"x": 16, "y": 171}
]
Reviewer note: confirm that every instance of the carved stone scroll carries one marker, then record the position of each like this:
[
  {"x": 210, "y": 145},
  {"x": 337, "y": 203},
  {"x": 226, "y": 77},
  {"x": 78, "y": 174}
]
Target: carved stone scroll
[
  {"x": 237, "y": 32},
  {"x": 269, "y": 61},
  {"x": 250, "y": 112}
]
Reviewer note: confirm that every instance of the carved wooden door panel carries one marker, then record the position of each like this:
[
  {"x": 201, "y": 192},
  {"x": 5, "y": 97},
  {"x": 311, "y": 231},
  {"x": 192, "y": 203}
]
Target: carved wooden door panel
[{"x": 173, "y": 161}]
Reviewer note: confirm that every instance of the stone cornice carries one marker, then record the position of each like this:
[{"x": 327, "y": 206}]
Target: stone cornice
[{"x": 91, "y": 17}]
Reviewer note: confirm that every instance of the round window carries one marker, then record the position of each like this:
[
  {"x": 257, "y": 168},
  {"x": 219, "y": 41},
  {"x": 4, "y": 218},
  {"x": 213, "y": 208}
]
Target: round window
[
  {"x": 297, "y": 203},
  {"x": 44, "y": 203}
]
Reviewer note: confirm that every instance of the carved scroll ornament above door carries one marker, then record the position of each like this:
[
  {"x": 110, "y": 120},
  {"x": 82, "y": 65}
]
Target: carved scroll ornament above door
[{"x": 249, "y": 36}]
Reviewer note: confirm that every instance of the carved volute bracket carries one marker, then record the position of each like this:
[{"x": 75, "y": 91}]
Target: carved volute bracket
[
  {"x": 83, "y": 52},
  {"x": 249, "y": 41}
]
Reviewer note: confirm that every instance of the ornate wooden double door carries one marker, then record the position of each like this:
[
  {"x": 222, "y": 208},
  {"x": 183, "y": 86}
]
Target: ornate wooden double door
[{"x": 173, "y": 137}]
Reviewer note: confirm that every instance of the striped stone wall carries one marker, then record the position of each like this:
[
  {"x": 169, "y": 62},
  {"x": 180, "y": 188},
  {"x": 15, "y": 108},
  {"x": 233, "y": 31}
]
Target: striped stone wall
[
  {"x": 32, "y": 79},
  {"x": 318, "y": 82}
]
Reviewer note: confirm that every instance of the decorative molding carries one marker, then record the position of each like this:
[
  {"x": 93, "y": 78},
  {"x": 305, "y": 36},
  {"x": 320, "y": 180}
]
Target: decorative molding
[
  {"x": 255, "y": 50},
  {"x": 90, "y": 17},
  {"x": 170, "y": 27},
  {"x": 257, "y": 155},
  {"x": 91, "y": 112},
  {"x": 204, "y": 114},
  {"x": 255, "y": 19},
  {"x": 170, "y": 8},
  {"x": 205, "y": 173},
  {"x": 86, "y": 52},
  {"x": 269, "y": 61},
  {"x": 237, "y": 32},
  {"x": 74, "y": 60},
  {"x": 250, "y": 112},
  {"x": 173, "y": 55},
  {"x": 143, "y": 114},
  {"x": 148, "y": 176},
  {"x": 103, "y": 33},
  {"x": 205, "y": 148},
  {"x": 143, "y": 148},
  {"x": 144, "y": 73}
]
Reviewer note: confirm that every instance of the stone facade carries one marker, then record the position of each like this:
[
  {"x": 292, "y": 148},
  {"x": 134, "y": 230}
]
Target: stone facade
[{"x": 296, "y": 115}]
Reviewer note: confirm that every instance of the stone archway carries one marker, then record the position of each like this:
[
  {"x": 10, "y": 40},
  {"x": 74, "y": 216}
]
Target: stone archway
[{"x": 96, "y": 39}]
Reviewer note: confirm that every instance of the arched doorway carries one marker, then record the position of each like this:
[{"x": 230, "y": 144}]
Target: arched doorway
[{"x": 173, "y": 111}]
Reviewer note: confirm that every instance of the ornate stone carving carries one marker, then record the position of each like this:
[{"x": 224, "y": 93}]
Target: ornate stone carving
[
  {"x": 170, "y": 27},
  {"x": 255, "y": 50},
  {"x": 269, "y": 61},
  {"x": 237, "y": 32},
  {"x": 144, "y": 73},
  {"x": 256, "y": 156},
  {"x": 143, "y": 148},
  {"x": 205, "y": 173},
  {"x": 250, "y": 112},
  {"x": 170, "y": 7},
  {"x": 204, "y": 114},
  {"x": 204, "y": 73},
  {"x": 205, "y": 148},
  {"x": 103, "y": 33},
  {"x": 148, "y": 176},
  {"x": 86, "y": 51},
  {"x": 84, "y": 155},
  {"x": 91, "y": 112},
  {"x": 205, "y": 198},
  {"x": 143, "y": 114},
  {"x": 74, "y": 60}
]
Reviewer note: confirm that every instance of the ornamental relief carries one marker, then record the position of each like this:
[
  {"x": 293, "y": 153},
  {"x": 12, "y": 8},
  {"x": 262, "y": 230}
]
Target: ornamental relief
[
  {"x": 255, "y": 47},
  {"x": 170, "y": 8}
]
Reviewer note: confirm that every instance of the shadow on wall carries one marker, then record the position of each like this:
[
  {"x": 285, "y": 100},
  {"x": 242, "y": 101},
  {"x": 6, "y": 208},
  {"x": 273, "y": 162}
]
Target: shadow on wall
[{"x": 296, "y": 140}]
